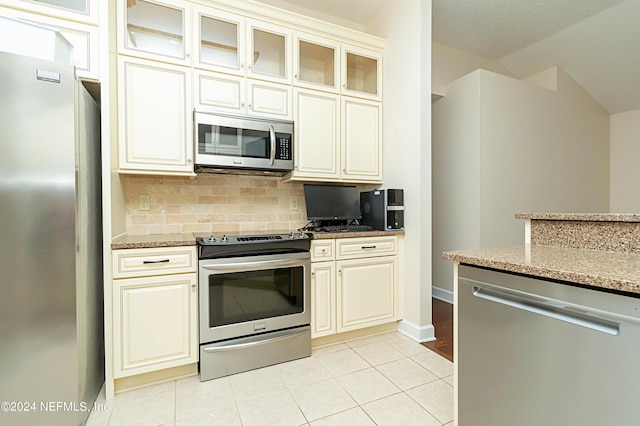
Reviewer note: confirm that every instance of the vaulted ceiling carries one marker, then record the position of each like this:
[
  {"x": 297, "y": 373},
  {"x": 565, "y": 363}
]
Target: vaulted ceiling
[{"x": 597, "y": 42}]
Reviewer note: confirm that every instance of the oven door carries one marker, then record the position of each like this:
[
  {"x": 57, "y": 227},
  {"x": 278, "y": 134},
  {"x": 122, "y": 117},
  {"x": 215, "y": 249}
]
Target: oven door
[{"x": 242, "y": 296}]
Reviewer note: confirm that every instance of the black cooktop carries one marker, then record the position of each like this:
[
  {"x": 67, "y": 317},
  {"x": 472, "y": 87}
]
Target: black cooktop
[{"x": 226, "y": 240}]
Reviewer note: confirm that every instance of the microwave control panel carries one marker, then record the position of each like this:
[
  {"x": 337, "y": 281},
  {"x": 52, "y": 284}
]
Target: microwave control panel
[{"x": 283, "y": 148}]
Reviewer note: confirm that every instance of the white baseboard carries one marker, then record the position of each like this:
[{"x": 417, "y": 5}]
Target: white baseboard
[
  {"x": 442, "y": 294},
  {"x": 426, "y": 333}
]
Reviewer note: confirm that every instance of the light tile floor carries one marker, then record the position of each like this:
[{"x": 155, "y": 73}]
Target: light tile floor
[{"x": 386, "y": 379}]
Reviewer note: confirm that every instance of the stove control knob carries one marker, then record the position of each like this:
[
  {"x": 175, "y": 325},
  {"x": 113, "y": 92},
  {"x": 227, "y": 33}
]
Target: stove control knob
[
  {"x": 301, "y": 235},
  {"x": 209, "y": 239},
  {"x": 224, "y": 239},
  {"x": 291, "y": 235}
]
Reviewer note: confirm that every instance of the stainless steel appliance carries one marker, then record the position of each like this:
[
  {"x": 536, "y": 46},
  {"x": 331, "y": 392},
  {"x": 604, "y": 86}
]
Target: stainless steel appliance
[
  {"x": 51, "y": 292},
  {"x": 535, "y": 352},
  {"x": 254, "y": 301},
  {"x": 225, "y": 143}
]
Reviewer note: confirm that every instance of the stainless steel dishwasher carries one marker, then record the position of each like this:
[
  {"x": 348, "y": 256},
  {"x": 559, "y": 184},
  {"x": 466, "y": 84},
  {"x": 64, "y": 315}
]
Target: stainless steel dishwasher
[{"x": 537, "y": 352}]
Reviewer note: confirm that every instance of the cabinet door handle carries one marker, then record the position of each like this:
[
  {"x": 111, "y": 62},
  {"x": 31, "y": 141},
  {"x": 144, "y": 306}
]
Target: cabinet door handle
[
  {"x": 368, "y": 247},
  {"x": 147, "y": 262}
]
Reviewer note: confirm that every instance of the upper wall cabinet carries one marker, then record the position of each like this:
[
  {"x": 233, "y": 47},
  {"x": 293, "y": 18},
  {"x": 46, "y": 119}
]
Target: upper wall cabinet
[
  {"x": 83, "y": 38},
  {"x": 269, "y": 52},
  {"x": 232, "y": 44},
  {"x": 154, "y": 117},
  {"x": 220, "y": 41},
  {"x": 156, "y": 30},
  {"x": 71, "y": 10},
  {"x": 317, "y": 63},
  {"x": 361, "y": 73}
]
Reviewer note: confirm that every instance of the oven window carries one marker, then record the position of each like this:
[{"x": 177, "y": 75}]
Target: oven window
[{"x": 255, "y": 295}]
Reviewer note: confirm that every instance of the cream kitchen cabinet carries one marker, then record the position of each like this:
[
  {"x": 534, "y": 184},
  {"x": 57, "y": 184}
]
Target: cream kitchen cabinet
[
  {"x": 232, "y": 44},
  {"x": 317, "y": 146},
  {"x": 154, "y": 309},
  {"x": 269, "y": 52},
  {"x": 323, "y": 299},
  {"x": 83, "y": 38},
  {"x": 337, "y": 138},
  {"x": 361, "y": 73},
  {"x": 69, "y": 10},
  {"x": 323, "y": 288},
  {"x": 354, "y": 283},
  {"x": 155, "y": 29},
  {"x": 317, "y": 63},
  {"x": 220, "y": 41},
  {"x": 361, "y": 140},
  {"x": 366, "y": 289},
  {"x": 154, "y": 117},
  {"x": 238, "y": 95}
]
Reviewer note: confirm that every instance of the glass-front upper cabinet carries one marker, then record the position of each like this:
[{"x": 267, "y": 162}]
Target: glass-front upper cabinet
[
  {"x": 269, "y": 52},
  {"x": 220, "y": 41},
  {"x": 316, "y": 63},
  {"x": 156, "y": 29},
  {"x": 75, "y": 10},
  {"x": 361, "y": 73}
]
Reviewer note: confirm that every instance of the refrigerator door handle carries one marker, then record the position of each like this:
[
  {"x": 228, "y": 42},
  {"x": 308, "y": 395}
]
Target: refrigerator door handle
[{"x": 548, "y": 307}]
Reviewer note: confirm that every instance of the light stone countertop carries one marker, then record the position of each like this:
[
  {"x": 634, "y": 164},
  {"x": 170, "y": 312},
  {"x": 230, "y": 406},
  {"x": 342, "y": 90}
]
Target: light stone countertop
[
  {"x": 595, "y": 268},
  {"x": 177, "y": 240},
  {"x": 357, "y": 234},
  {"x": 589, "y": 217},
  {"x": 153, "y": 241}
]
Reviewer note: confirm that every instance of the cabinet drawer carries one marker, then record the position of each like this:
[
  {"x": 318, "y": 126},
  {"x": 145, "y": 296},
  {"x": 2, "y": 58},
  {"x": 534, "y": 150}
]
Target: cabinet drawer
[
  {"x": 323, "y": 250},
  {"x": 157, "y": 261},
  {"x": 350, "y": 248}
]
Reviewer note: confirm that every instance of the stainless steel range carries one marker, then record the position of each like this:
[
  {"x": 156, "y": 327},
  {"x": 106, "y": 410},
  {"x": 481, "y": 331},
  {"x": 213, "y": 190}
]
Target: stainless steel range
[{"x": 254, "y": 301}]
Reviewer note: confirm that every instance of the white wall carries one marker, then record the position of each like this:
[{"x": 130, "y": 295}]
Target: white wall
[
  {"x": 625, "y": 151},
  {"x": 407, "y": 139},
  {"x": 449, "y": 64},
  {"x": 534, "y": 150}
]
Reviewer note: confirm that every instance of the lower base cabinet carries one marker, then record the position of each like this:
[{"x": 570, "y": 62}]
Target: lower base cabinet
[
  {"x": 155, "y": 321},
  {"x": 366, "y": 289},
  {"x": 353, "y": 284}
]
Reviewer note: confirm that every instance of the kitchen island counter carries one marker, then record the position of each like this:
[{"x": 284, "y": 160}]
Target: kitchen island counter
[{"x": 613, "y": 270}]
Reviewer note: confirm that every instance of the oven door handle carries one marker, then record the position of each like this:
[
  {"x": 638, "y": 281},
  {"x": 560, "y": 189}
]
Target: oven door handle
[
  {"x": 257, "y": 342},
  {"x": 244, "y": 266}
]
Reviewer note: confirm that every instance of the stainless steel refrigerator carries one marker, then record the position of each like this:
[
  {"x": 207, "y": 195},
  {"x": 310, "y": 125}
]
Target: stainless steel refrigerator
[{"x": 51, "y": 292}]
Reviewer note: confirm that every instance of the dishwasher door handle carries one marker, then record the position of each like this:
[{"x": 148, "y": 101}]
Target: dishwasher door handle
[{"x": 549, "y": 308}]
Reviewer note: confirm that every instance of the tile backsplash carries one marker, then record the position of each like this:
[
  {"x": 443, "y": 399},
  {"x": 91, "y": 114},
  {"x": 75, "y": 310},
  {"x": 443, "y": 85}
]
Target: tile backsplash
[{"x": 214, "y": 204}]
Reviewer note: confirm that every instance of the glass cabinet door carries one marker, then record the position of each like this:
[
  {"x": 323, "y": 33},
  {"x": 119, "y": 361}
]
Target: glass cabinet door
[
  {"x": 156, "y": 28},
  {"x": 75, "y": 10},
  {"x": 220, "y": 42},
  {"x": 316, "y": 63},
  {"x": 81, "y": 6},
  {"x": 269, "y": 54},
  {"x": 362, "y": 73}
]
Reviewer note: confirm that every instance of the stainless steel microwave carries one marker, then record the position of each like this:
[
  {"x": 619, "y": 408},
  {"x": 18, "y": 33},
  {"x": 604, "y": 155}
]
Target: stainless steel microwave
[{"x": 243, "y": 143}]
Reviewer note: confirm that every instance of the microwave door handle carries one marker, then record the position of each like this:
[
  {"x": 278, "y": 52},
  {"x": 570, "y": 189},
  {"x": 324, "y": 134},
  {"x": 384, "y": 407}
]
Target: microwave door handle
[{"x": 272, "y": 138}]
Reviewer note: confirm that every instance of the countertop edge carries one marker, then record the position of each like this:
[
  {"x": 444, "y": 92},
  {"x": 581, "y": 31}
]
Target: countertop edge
[
  {"x": 582, "y": 217},
  {"x": 153, "y": 241},
  {"x": 178, "y": 240},
  {"x": 604, "y": 280},
  {"x": 356, "y": 234}
]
